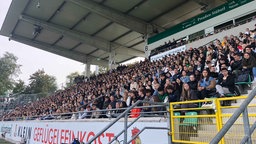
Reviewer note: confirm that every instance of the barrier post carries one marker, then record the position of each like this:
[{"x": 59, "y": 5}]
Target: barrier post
[
  {"x": 168, "y": 108},
  {"x": 247, "y": 126},
  {"x": 219, "y": 117},
  {"x": 125, "y": 128},
  {"x": 171, "y": 122}
]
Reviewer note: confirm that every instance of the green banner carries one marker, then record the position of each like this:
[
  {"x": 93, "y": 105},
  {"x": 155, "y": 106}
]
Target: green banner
[{"x": 199, "y": 19}]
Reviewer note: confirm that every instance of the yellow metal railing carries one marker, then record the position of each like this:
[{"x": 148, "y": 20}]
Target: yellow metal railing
[{"x": 197, "y": 122}]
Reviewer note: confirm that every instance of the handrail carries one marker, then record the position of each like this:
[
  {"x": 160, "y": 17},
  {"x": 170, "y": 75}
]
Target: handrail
[
  {"x": 71, "y": 113},
  {"x": 233, "y": 118},
  {"x": 119, "y": 117},
  {"x": 115, "y": 137}
]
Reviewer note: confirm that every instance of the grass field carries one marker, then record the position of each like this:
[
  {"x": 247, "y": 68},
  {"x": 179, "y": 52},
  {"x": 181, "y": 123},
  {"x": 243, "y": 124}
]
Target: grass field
[{"x": 4, "y": 142}]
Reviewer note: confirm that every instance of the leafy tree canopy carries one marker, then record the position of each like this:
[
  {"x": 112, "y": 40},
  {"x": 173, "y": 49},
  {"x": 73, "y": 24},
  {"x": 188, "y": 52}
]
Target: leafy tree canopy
[
  {"x": 19, "y": 87},
  {"x": 9, "y": 69},
  {"x": 70, "y": 78},
  {"x": 40, "y": 82}
]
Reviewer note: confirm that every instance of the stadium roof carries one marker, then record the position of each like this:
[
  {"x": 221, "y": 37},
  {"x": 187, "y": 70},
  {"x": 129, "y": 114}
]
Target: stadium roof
[{"x": 88, "y": 30}]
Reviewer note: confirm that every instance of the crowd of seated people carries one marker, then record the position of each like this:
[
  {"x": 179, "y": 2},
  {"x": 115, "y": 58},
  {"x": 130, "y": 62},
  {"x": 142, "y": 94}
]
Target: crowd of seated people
[
  {"x": 168, "y": 46},
  {"x": 196, "y": 73},
  {"x": 176, "y": 43}
]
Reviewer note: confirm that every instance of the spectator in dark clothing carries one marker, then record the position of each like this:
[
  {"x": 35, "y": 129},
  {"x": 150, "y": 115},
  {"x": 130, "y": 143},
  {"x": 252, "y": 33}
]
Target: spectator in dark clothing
[
  {"x": 106, "y": 102},
  {"x": 173, "y": 95},
  {"x": 133, "y": 96},
  {"x": 175, "y": 75},
  {"x": 248, "y": 49},
  {"x": 141, "y": 94},
  {"x": 178, "y": 85},
  {"x": 197, "y": 75},
  {"x": 248, "y": 62},
  {"x": 236, "y": 64},
  {"x": 162, "y": 80},
  {"x": 226, "y": 84},
  {"x": 112, "y": 102},
  {"x": 213, "y": 72},
  {"x": 193, "y": 82}
]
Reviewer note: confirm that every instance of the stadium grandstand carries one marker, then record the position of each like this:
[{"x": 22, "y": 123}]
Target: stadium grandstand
[{"x": 196, "y": 84}]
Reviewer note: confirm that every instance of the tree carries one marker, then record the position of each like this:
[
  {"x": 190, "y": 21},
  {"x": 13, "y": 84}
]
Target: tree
[
  {"x": 40, "y": 82},
  {"x": 8, "y": 70},
  {"x": 70, "y": 78},
  {"x": 19, "y": 87}
]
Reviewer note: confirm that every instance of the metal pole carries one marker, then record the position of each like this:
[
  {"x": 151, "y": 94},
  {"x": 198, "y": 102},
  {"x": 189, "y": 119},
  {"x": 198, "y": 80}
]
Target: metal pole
[
  {"x": 244, "y": 140},
  {"x": 247, "y": 132},
  {"x": 169, "y": 124},
  {"x": 125, "y": 128},
  {"x": 130, "y": 124},
  {"x": 233, "y": 118}
]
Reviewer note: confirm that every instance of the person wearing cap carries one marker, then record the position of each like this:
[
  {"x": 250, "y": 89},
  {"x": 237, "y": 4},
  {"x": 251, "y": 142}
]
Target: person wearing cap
[{"x": 226, "y": 84}]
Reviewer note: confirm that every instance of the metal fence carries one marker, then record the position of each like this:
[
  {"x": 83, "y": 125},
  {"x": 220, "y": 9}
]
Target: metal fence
[
  {"x": 201, "y": 124},
  {"x": 9, "y": 103}
]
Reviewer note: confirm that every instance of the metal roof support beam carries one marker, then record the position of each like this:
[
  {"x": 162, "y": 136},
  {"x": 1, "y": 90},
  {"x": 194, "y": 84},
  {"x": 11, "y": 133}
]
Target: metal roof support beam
[
  {"x": 77, "y": 45},
  {"x": 130, "y": 22},
  {"x": 67, "y": 32},
  {"x": 93, "y": 41},
  {"x": 93, "y": 51},
  {"x": 60, "y": 51},
  {"x": 128, "y": 51}
]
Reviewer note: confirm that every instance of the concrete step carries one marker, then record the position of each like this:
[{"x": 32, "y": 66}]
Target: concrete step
[
  {"x": 233, "y": 137},
  {"x": 253, "y": 85},
  {"x": 239, "y": 101},
  {"x": 235, "y": 140},
  {"x": 205, "y": 127},
  {"x": 201, "y": 139},
  {"x": 228, "y": 140}
]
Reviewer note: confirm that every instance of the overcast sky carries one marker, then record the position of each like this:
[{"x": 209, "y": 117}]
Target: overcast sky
[{"x": 33, "y": 59}]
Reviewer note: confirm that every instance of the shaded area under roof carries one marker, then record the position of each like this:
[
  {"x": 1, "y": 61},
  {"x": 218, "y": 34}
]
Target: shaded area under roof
[{"x": 88, "y": 30}]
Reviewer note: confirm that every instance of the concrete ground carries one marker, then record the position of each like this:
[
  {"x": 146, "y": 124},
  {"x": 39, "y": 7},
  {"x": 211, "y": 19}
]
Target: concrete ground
[{"x": 2, "y": 141}]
